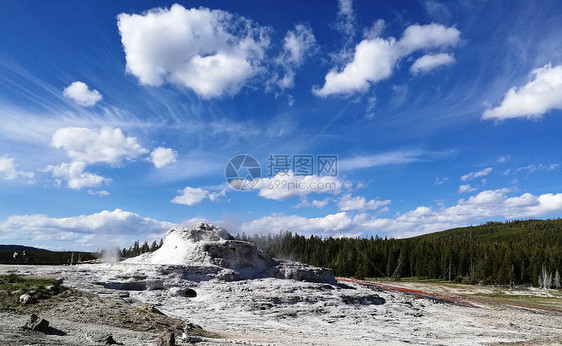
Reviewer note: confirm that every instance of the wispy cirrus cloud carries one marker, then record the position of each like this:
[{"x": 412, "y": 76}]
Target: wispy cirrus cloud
[
  {"x": 388, "y": 158},
  {"x": 478, "y": 174}
]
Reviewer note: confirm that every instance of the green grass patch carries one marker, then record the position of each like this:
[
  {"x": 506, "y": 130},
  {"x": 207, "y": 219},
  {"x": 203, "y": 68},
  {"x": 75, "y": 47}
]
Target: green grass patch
[{"x": 13, "y": 286}]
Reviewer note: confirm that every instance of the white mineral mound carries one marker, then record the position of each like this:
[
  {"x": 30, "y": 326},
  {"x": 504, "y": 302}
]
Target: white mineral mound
[
  {"x": 185, "y": 246},
  {"x": 213, "y": 247}
]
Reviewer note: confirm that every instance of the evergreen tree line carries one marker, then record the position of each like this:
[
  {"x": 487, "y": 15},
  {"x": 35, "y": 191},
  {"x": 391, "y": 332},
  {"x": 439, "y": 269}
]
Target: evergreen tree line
[
  {"x": 516, "y": 252},
  {"x": 138, "y": 249}
]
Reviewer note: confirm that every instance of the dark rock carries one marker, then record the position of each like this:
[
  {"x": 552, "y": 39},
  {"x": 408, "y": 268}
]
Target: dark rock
[
  {"x": 37, "y": 323},
  {"x": 372, "y": 299},
  {"x": 193, "y": 339},
  {"x": 166, "y": 339},
  {"x": 106, "y": 339}
]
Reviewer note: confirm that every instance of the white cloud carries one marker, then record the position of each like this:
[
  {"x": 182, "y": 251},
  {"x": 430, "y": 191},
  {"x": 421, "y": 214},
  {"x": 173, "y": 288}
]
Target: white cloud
[
  {"x": 319, "y": 204},
  {"x": 190, "y": 196},
  {"x": 330, "y": 225},
  {"x": 297, "y": 45},
  {"x": 375, "y": 30},
  {"x": 9, "y": 170},
  {"x": 374, "y": 58},
  {"x": 441, "y": 181},
  {"x": 474, "y": 175},
  {"x": 215, "y": 196},
  {"x": 466, "y": 188},
  {"x": 383, "y": 159},
  {"x": 417, "y": 37},
  {"x": 107, "y": 145},
  {"x": 346, "y": 19},
  {"x": 73, "y": 173},
  {"x": 208, "y": 51},
  {"x": 539, "y": 167},
  {"x": 84, "y": 230},
  {"x": 348, "y": 203},
  {"x": 195, "y": 195},
  {"x": 436, "y": 10},
  {"x": 162, "y": 157},
  {"x": 86, "y": 146},
  {"x": 81, "y": 94},
  {"x": 542, "y": 94},
  {"x": 485, "y": 205},
  {"x": 504, "y": 159},
  {"x": 373, "y": 61},
  {"x": 285, "y": 185},
  {"x": 430, "y": 62},
  {"x": 98, "y": 192}
]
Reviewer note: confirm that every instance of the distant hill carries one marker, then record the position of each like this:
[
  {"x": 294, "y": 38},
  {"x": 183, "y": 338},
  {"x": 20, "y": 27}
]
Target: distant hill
[
  {"x": 536, "y": 232},
  {"x": 20, "y": 248},
  {"x": 41, "y": 256}
]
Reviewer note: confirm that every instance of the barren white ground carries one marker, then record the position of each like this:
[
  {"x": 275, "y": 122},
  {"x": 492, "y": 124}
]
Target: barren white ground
[{"x": 287, "y": 312}]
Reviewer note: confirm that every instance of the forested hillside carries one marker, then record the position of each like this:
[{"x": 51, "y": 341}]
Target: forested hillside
[{"x": 517, "y": 252}]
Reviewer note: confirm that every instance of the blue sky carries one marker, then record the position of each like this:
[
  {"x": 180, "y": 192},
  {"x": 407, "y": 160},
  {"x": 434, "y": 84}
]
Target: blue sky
[{"x": 117, "y": 119}]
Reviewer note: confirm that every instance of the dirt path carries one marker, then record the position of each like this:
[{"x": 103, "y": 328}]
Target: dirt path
[{"x": 455, "y": 300}]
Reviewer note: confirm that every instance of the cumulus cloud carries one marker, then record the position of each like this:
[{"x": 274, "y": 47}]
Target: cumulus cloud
[
  {"x": 474, "y": 175},
  {"x": 190, "y": 196},
  {"x": 9, "y": 170},
  {"x": 373, "y": 61},
  {"x": 542, "y": 94},
  {"x": 466, "y": 188},
  {"x": 374, "y": 58},
  {"x": 330, "y": 225},
  {"x": 85, "y": 146},
  {"x": 81, "y": 94},
  {"x": 107, "y": 145},
  {"x": 430, "y": 62},
  {"x": 285, "y": 185},
  {"x": 418, "y": 37},
  {"x": 485, "y": 205},
  {"x": 73, "y": 173},
  {"x": 209, "y": 51},
  {"x": 162, "y": 157},
  {"x": 195, "y": 195},
  {"x": 83, "y": 230},
  {"x": 297, "y": 45},
  {"x": 348, "y": 203},
  {"x": 314, "y": 203}
]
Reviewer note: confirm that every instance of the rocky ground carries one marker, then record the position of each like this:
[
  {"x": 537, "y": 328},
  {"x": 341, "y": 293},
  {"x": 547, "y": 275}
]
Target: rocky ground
[
  {"x": 239, "y": 295},
  {"x": 273, "y": 311}
]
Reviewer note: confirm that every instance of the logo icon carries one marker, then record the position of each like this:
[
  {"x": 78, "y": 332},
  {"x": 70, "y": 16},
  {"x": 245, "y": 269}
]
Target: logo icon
[{"x": 242, "y": 172}]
